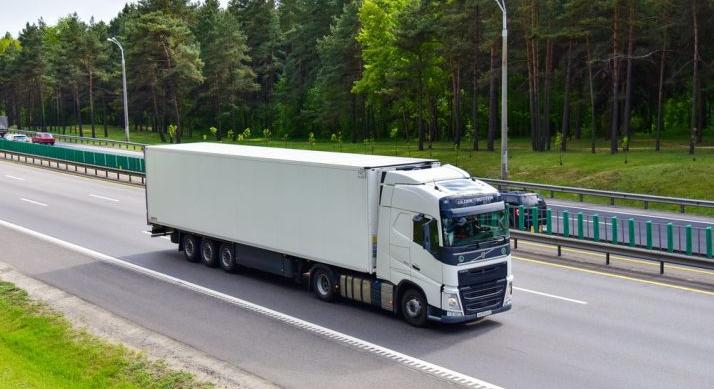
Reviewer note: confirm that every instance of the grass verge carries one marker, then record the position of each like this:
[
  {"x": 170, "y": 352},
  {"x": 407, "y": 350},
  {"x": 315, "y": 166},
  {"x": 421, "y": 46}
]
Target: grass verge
[{"x": 40, "y": 349}]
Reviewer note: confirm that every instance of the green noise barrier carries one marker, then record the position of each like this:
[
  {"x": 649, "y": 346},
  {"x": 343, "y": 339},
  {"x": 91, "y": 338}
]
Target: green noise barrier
[{"x": 111, "y": 161}]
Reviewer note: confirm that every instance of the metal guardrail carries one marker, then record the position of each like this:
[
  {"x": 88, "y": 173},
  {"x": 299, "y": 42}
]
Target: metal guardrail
[
  {"x": 125, "y": 176},
  {"x": 611, "y": 249},
  {"x": 646, "y": 199},
  {"x": 116, "y": 144}
]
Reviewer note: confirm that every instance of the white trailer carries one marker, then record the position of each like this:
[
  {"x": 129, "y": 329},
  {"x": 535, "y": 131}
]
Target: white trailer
[{"x": 376, "y": 229}]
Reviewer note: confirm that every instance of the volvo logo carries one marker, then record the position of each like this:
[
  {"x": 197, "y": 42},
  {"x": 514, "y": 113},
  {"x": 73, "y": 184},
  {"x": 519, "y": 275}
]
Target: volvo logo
[
  {"x": 461, "y": 258},
  {"x": 503, "y": 251}
]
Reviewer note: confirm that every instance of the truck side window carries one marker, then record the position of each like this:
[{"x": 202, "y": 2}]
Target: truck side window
[
  {"x": 434, "y": 234},
  {"x": 418, "y": 235}
]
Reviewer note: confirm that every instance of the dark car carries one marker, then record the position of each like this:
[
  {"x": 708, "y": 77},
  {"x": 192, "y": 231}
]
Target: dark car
[
  {"x": 44, "y": 138},
  {"x": 528, "y": 200}
]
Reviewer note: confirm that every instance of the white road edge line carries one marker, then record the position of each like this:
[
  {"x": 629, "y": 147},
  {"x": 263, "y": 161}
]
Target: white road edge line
[
  {"x": 551, "y": 296},
  {"x": 14, "y": 178},
  {"x": 103, "y": 198},
  {"x": 33, "y": 202},
  {"x": 403, "y": 359}
]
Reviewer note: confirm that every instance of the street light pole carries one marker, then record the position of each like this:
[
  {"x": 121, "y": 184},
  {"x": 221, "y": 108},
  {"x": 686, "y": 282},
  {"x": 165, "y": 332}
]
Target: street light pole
[
  {"x": 504, "y": 91},
  {"x": 123, "y": 75}
]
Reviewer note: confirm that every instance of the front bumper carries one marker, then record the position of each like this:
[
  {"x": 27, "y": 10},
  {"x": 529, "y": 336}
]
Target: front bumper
[{"x": 439, "y": 315}]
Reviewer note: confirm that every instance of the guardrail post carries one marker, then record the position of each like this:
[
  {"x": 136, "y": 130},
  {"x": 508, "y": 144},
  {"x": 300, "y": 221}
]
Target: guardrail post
[
  {"x": 613, "y": 225},
  {"x": 681, "y": 208},
  {"x": 534, "y": 219},
  {"x": 596, "y": 227},
  {"x": 648, "y": 225},
  {"x": 549, "y": 221},
  {"x": 670, "y": 237},
  {"x": 631, "y": 228},
  {"x": 521, "y": 217},
  {"x": 580, "y": 225},
  {"x": 647, "y": 205},
  {"x": 566, "y": 224},
  {"x": 710, "y": 251},
  {"x": 688, "y": 232}
]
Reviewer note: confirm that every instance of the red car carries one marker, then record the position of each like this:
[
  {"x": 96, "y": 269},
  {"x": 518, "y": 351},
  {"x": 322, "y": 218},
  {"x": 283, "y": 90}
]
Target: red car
[{"x": 44, "y": 138}]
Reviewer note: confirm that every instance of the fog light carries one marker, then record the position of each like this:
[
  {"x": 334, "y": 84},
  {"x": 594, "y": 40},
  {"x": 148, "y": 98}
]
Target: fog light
[{"x": 453, "y": 303}]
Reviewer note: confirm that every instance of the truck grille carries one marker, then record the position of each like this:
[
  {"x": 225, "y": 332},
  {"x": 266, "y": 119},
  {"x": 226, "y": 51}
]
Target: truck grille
[{"x": 482, "y": 297}]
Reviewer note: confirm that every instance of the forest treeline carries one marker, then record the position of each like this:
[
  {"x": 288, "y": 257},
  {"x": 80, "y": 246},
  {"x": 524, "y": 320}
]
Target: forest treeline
[{"x": 425, "y": 70}]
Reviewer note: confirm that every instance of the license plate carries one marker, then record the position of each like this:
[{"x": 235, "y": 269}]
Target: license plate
[{"x": 484, "y": 313}]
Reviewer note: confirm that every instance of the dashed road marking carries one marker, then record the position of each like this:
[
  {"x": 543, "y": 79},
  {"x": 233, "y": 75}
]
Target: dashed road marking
[
  {"x": 33, "y": 202},
  {"x": 551, "y": 296},
  {"x": 14, "y": 178},
  {"x": 104, "y": 198}
]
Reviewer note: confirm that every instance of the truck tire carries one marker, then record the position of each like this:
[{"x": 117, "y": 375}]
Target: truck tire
[
  {"x": 323, "y": 284},
  {"x": 414, "y": 307},
  {"x": 209, "y": 252},
  {"x": 191, "y": 247},
  {"x": 227, "y": 257}
]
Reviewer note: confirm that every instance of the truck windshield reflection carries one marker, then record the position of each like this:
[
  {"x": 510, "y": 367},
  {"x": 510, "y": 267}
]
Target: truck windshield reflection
[{"x": 475, "y": 230}]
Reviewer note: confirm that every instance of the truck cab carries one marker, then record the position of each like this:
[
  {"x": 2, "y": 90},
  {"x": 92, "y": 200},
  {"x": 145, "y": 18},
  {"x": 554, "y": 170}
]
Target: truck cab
[{"x": 443, "y": 240}]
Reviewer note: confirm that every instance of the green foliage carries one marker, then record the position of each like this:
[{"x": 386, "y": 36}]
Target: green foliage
[
  {"x": 246, "y": 134},
  {"x": 39, "y": 348},
  {"x": 311, "y": 139}
]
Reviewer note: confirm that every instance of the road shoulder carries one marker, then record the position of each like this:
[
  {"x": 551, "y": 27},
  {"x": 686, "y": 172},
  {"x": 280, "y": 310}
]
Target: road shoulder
[{"x": 115, "y": 329}]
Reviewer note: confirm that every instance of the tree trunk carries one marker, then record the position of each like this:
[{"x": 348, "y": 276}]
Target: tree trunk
[
  {"x": 492, "y": 101},
  {"x": 77, "y": 109},
  {"x": 566, "y": 101},
  {"x": 91, "y": 103},
  {"x": 695, "y": 79},
  {"x": 660, "y": 92},
  {"x": 546, "y": 93},
  {"x": 475, "y": 77},
  {"x": 615, "y": 80},
  {"x": 593, "y": 120},
  {"x": 628, "y": 88}
]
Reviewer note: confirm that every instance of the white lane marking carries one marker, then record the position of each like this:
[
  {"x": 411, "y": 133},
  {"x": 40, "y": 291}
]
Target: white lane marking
[
  {"x": 14, "y": 178},
  {"x": 33, "y": 202},
  {"x": 403, "y": 359},
  {"x": 604, "y": 210},
  {"x": 103, "y": 198},
  {"x": 149, "y": 233},
  {"x": 551, "y": 296}
]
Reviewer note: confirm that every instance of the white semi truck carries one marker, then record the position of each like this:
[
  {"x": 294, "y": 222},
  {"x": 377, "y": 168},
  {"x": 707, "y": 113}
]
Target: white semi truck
[{"x": 418, "y": 239}]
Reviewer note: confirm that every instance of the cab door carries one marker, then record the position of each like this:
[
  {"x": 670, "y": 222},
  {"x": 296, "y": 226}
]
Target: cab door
[
  {"x": 426, "y": 270},
  {"x": 400, "y": 242}
]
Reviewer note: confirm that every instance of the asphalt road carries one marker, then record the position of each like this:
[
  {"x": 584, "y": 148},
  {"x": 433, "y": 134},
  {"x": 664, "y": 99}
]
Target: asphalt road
[{"x": 570, "y": 327}]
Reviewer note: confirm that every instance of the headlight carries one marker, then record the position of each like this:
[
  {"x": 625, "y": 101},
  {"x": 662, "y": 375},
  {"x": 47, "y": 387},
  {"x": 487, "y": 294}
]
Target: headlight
[{"x": 450, "y": 302}]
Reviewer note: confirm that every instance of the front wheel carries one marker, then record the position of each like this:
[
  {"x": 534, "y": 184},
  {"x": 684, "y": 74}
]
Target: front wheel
[{"x": 414, "y": 308}]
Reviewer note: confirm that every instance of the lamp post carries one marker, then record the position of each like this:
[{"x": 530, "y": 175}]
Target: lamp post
[
  {"x": 123, "y": 75},
  {"x": 504, "y": 91}
]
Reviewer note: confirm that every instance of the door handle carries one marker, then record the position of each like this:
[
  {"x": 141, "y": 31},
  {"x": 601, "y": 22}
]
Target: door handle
[{"x": 416, "y": 267}]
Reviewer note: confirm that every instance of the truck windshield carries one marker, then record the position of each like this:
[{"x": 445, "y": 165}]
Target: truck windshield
[{"x": 475, "y": 229}]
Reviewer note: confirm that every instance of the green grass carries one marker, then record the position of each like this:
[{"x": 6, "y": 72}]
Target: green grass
[
  {"x": 39, "y": 349},
  {"x": 670, "y": 172}
]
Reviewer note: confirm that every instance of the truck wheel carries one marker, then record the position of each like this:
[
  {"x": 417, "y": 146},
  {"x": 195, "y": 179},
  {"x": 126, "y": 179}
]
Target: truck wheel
[
  {"x": 227, "y": 257},
  {"x": 190, "y": 247},
  {"x": 209, "y": 253},
  {"x": 323, "y": 284},
  {"x": 414, "y": 307}
]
